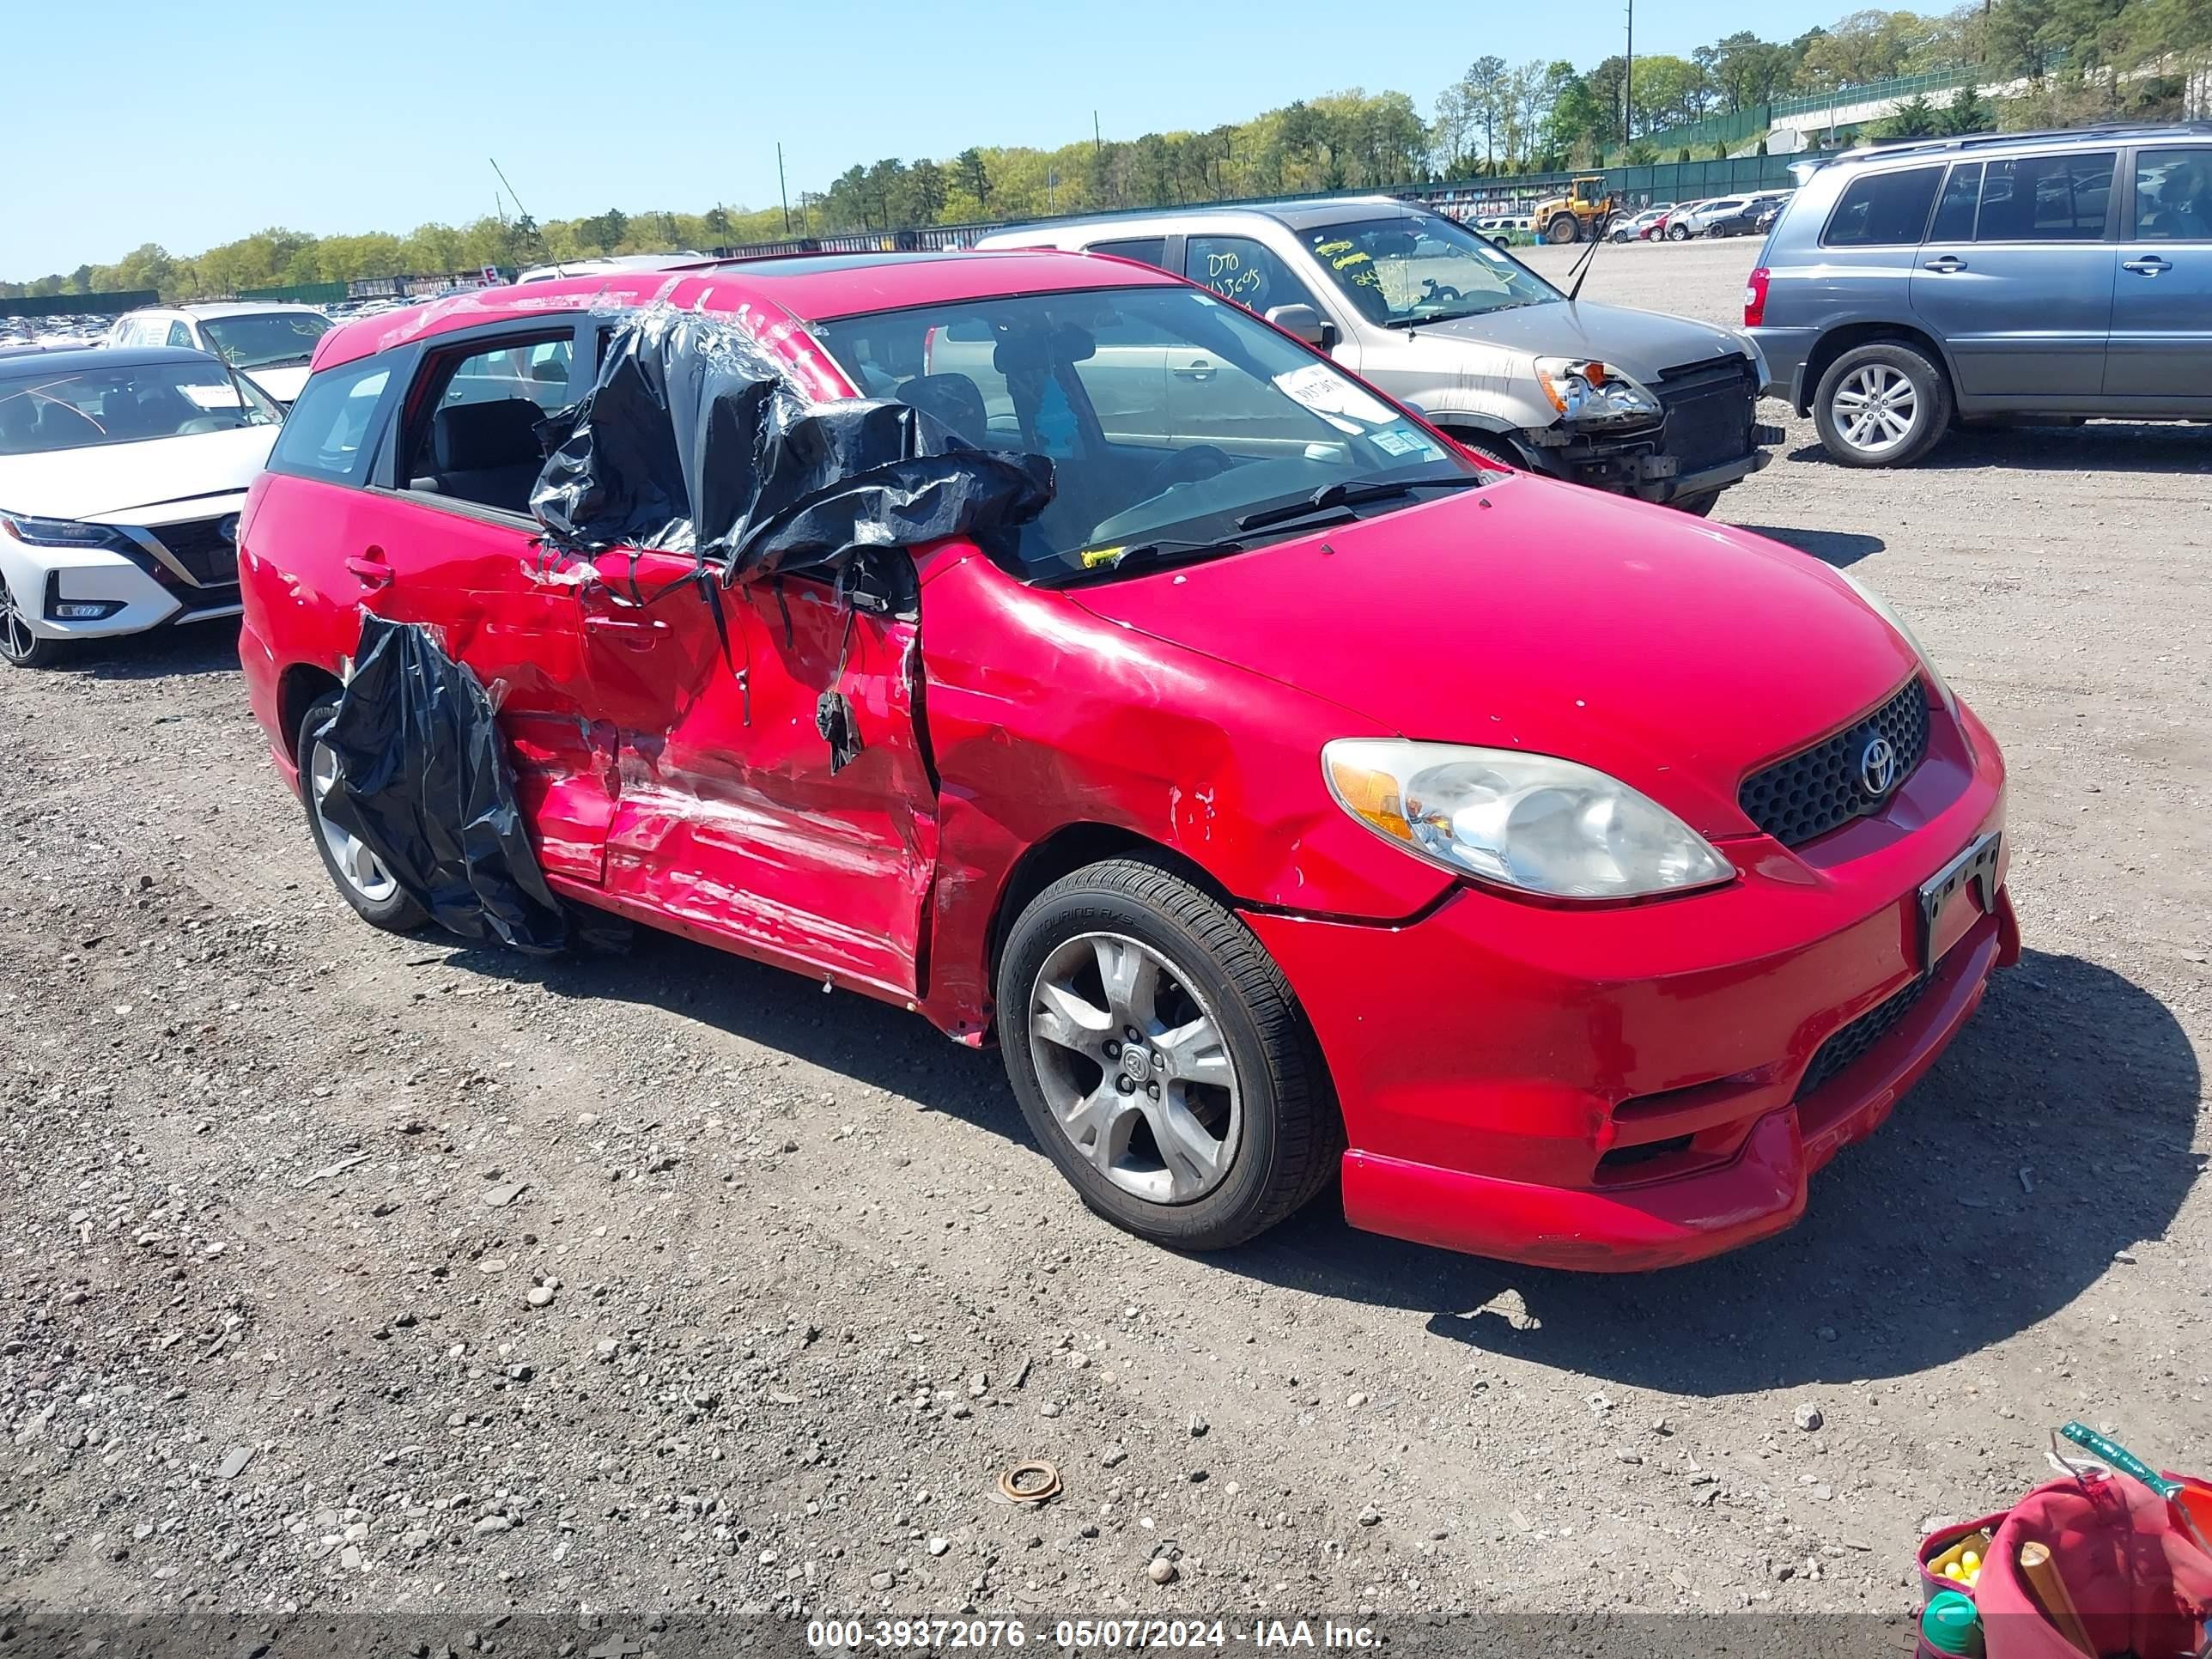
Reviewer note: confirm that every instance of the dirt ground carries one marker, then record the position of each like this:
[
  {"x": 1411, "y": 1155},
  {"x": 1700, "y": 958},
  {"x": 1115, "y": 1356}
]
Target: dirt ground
[{"x": 347, "y": 1272}]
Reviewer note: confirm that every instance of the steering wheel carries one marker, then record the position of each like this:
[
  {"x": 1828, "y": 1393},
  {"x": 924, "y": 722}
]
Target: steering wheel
[
  {"x": 1188, "y": 466},
  {"x": 1435, "y": 292}
]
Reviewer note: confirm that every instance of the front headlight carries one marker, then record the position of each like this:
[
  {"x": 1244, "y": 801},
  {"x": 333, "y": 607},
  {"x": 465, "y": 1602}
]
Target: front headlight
[
  {"x": 1532, "y": 822},
  {"x": 1882, "y": 608},
  {"x": 58, "y": 532},
  {"x": 1587, "y": 392}
]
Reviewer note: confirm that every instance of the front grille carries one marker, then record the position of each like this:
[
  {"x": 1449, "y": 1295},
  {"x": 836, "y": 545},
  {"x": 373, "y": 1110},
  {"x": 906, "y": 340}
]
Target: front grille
[
  {"x": 201, "y": 547},
  {"x": 1711, "y": 409},
  {"x": 1819, "y": 788},
  {"x": 1848, "y": 1046}
]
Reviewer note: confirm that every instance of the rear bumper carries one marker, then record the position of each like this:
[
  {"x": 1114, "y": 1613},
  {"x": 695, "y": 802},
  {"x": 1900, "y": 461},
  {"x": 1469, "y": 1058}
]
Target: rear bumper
[{"x": 1786, "y": 351}]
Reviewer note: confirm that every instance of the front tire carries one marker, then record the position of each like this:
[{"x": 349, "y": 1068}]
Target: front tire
[
  {"x": 360, "y": 878},
  {"x": 1678, "y": 233},
  {"x": 1563, "y": 229},
  {"x": 1160, "y": 1060},
  {"x": 19, "y": 646},
  {"x": 1882, "y": 404},
  {"x": 1698, "y": 506}
]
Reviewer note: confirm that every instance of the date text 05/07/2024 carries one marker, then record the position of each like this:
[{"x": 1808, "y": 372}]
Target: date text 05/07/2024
[{"x": 1088, "y": 1635}]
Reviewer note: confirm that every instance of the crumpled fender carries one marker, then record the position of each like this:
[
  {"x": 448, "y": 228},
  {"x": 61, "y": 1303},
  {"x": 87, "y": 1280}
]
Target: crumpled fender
[{"x": 1041, "y": 715}]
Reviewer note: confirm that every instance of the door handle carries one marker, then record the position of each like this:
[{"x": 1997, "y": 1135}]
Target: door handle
[
  {"x": 1197, "y": 371},
  {"x": 2149, "y": 266},
  {"x": 1947, "y": 264},
  {"x": 369, "y": 566}
]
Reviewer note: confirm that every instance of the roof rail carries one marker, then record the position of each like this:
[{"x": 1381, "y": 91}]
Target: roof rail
[{"x": 1980, "y": 140}]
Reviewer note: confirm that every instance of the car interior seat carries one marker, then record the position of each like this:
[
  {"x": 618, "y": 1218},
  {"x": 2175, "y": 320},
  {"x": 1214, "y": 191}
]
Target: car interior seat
[
  {"x": 487, "y": 453},
  {"x": 954, "y": 400}
]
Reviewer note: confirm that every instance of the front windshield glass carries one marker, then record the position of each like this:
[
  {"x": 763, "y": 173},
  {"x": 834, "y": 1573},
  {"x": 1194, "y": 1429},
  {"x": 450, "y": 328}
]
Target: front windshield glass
[
  {"x": 1421, "y": 268},
  {"x": 1169, "y": 416},
  {"x": 44, "y": 412},
  {"x": 268, "y": 340}
]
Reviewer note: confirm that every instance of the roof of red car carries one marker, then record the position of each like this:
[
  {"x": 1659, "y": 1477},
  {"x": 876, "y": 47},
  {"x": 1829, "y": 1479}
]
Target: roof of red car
[{"x": 800, "y": 289}]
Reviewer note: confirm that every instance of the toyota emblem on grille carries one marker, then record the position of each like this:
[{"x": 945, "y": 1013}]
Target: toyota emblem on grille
[{"x": 1878, "y": 767}]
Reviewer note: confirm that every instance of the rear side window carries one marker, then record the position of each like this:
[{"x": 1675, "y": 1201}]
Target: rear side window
[
  {"x": 1146, "y": 249},
  {"x": 1955, "y": 212},
  {"x": 2046, "y": 198},
  {"x": 2174, "y": 195},
  {"x": 181, "y": 336},
  {"x": 1884, "y": 210},
  {"x": 329, "y": 432}
]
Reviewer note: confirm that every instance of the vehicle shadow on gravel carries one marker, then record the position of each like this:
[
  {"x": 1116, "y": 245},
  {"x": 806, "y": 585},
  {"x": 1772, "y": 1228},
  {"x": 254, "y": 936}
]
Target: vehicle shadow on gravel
[
  {"x": 1921, "y": 1245},
  {"x": 169, "y": 653},
  {"x": 2100, "y": 447},
  {"x": 1838, "y": 548}
]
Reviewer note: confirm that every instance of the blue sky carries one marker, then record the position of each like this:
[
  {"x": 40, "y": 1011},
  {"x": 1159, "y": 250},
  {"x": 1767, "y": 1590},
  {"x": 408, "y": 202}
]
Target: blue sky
[{"x": 191, "y": 126}]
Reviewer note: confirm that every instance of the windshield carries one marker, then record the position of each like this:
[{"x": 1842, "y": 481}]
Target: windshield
[
  {"x": 43, "y": 412},
  {"x": 267, "y": 339},
  {"x": 1420, "y": 268},
  {"x": 1168, "y": 416}
]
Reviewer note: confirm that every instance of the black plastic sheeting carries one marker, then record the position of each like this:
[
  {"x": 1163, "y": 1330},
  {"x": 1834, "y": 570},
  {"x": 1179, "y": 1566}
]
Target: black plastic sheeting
[
  {"x": 423, "y": 779},
  {"x": 692, "y": 440}
]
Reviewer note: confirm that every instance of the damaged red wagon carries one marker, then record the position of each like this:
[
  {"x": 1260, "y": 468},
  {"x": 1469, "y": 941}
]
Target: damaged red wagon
[{"x": 1038, "y": 642}]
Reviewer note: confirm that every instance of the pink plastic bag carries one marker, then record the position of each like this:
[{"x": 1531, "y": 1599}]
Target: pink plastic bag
[{"x": 2140, "y": 1583}]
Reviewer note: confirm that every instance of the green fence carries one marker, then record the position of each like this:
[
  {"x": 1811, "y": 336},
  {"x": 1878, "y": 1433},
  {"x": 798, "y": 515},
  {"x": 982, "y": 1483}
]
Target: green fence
[
  {"x": 77, "y": 305},
  {"x": 1732, "y": 130},
  {"x": 305, "y": 294},
  {"x": 1903, "y": 86}
]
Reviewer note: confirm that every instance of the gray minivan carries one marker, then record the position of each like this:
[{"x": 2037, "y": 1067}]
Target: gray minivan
[
  {"x": 1635, "y": 402},
  {"x": 2025, "y": 275}
]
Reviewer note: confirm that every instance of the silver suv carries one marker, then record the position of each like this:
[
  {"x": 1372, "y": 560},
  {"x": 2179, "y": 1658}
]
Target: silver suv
[
  {"x": 1644, "y": 404},
  {"x": 2037, "y": 276}
]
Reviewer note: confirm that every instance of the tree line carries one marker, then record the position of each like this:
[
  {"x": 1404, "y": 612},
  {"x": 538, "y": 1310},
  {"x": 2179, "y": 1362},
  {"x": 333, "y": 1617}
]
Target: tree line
[{"x": 2082, "y": 59}]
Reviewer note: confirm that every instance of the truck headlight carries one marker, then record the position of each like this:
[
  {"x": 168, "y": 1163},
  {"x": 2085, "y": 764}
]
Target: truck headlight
[
  {"x": 1588, "y": 393},
  {"x": 1533, "y": 823}
]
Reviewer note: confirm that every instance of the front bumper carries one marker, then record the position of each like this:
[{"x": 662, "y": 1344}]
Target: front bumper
[
  {"x": 1639, "y": 465},
  {"x": 49, "y": 583},
  {"x": 1625, "y": 1088}
]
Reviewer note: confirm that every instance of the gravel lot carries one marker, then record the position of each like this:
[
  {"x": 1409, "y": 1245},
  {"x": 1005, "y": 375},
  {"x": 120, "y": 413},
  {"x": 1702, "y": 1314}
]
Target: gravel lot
[{"x": 353, "y": 1273}]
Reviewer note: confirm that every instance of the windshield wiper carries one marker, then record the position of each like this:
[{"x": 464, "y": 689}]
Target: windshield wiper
[
  {"x": 1330, "y": 497},
  {"x": 1161, "y": 550}
]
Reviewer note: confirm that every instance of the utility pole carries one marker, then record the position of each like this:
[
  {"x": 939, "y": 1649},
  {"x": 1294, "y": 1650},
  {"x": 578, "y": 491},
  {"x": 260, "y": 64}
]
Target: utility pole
[
  {"x": 782, "y": 192},
  {"x": 1628, "y": 80},
  {"x": 1098, "y": 143}
]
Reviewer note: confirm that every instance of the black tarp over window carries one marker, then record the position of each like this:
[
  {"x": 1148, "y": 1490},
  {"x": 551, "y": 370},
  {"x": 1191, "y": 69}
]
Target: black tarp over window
[{"x": 694, "y": 440}]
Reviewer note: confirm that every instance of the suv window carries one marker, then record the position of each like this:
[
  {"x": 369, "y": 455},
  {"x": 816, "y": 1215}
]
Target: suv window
[
  {"x": 2046, "y": 198},
  {"x": 1146, "y": 249},
  {"x": 325, "y": 435},
  {"x": 1246, "y": 272},
  {"x": 1955, "y": 209},
  {"x": 1884, "y": 210},
  {"x": 180, "y": 335},
  {"x": 2174, "y": 195}
]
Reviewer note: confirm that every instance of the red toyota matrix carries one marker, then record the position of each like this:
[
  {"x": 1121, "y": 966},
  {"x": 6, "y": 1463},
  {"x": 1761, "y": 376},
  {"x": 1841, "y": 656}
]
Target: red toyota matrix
[{"x": 1289, "y": 794}]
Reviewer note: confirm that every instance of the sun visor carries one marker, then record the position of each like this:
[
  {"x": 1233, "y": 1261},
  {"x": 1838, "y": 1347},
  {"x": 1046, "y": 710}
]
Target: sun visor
[{"x": 694, "y": 439}]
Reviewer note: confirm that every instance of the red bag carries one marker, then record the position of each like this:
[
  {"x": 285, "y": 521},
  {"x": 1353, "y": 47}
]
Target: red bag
[{"x": 2141, "y": 1584}]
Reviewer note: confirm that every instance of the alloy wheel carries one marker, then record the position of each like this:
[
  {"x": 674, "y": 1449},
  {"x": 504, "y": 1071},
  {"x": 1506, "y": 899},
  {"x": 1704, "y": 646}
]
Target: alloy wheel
[
  {"x": 18, "y": 644},
  {"x": 357, "y": 867},
  {"x": 1135, "y": 1068},
  {"x": 1876, "y": 408}
]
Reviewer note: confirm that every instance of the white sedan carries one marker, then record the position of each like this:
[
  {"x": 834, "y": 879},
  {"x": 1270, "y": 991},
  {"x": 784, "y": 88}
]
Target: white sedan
[{"x": 122, "y": 473}]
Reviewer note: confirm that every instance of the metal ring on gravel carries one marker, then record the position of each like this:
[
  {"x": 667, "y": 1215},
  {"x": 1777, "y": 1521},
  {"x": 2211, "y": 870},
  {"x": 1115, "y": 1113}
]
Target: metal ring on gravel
[
  {"x": 1134, "y": 1066},
  {"x": 1043, "y": 1482}
]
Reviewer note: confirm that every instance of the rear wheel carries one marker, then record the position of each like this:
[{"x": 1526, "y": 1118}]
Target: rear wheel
[
  {"x": 1678, "y": 233},
  {"x": 1160, "y": 1061},
  {"x": 1563, "y": 229},
  {"x": 18, "y": 644},
  {"x": 1882, "y": 404},
  {"x": 359, "y": 875}
]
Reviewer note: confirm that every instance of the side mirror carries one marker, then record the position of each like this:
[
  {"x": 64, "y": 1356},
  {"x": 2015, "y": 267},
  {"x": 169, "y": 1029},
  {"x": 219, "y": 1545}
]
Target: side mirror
[{"x": 1304, "y": 322}]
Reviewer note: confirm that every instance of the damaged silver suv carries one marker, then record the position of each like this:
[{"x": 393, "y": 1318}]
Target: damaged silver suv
[{"x": 1636, "y": 402}]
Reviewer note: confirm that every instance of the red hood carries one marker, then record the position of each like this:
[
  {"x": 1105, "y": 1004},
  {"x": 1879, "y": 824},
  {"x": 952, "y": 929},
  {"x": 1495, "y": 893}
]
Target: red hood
[{"x": 1674, "y": 654}]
